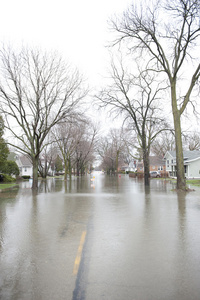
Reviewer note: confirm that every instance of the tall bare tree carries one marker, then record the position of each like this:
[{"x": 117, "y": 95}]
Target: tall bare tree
[
  {"x": 167, "y": 32},
  {"x": 135, "y": 97},
  {"x": 37, "y": 90}
]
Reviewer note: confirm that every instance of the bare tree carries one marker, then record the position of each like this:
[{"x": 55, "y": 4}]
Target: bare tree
[
  {"x": 118, "y": 141},
  {"x": 167, "y": 33},
  {"x": 108, "y": 155},
  {"x": 191, "y": 141},
  {"x": 85, "y": 147},
  {"x": 65, "y": 137},
  {"x": 38, "y": 90},
  {"x": 75, "y": 141},
  {"x": 163, "y": 143},
  {"x": 111, "y": 149},
  {"x": 46, "y": 160},
  {"x": 136, "y": 99}
]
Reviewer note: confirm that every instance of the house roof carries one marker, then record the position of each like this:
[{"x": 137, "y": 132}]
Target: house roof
[
  {"x": 25, "y": 161},
  {"x": 153, "y": 161},
  {"x": 187, "y": 155},
  {"x": 156, "y": 161}
]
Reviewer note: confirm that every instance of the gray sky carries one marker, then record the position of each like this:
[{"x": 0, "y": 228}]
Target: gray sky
[{"x": 77, "y": 29}]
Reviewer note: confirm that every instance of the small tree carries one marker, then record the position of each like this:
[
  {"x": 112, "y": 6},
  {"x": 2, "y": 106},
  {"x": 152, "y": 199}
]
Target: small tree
[
  {"x": 84, "y": 149},
  {"x": 107, "y": 154},
  {"x": 10, "y": 168},
  {"x": 75, "y": 143},
  {"x": 117, "y": 136},
  {"x": 4, "y": 151},
  {"x": 111, "y": 149},
  {"x": 58, "y": 164},
  {"x": 47, "y": 158},
  {"x": 66, "y": 137}
]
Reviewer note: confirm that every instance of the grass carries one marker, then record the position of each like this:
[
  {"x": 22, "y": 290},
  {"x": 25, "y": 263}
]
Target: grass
[
  {"x": 189, "y": 181},
  {"x": 4, "y": 186},
  {"x": 194, "y": 182}
]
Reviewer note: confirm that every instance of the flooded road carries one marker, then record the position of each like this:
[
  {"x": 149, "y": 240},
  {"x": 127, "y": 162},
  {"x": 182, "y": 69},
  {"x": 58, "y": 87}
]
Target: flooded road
[{"x": 107, "y": 238}]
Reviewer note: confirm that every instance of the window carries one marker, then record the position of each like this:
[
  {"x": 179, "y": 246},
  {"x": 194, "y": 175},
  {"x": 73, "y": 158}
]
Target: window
[{"x": 185, "y": 169}]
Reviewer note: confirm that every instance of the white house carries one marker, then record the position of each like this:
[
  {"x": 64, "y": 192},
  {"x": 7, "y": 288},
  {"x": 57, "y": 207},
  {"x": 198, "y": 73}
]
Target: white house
[
  {"x": 25, "y": 165},
  {"x": 191, "y": 163},
  {"x": 131, "y": 167}
]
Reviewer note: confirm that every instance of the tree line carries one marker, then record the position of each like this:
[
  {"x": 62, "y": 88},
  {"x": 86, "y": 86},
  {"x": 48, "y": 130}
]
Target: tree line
[
  {"x": 162, "y": 38},
  {"x": 42, "y": 97}
]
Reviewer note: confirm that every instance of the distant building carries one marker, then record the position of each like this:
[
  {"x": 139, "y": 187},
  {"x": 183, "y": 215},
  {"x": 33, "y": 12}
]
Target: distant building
[
  {"x": 25, "y": 165},
  {"x": 191, "y": 163},
  {"x": 156, "y": 163},
  {"x": 131, "y": 167}
]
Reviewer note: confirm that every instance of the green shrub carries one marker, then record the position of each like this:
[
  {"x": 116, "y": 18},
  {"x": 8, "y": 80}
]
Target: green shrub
[
  {"x": 12, "y": 168},
  {"x": 26, "y": 177},
  {"x": 8, "y": 178}
]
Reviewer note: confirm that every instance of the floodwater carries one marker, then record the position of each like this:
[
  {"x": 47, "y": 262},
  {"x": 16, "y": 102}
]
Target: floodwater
[{"x": 99, "y": 238}]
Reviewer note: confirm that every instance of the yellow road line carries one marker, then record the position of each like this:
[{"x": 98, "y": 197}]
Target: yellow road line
[{"x": 79, "y": 253}]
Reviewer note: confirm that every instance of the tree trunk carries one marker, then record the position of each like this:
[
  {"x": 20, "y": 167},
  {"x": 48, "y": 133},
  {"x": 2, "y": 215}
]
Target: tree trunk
[
  {"x": 77, "y": 168},
  {"x": 66, "y": 169},
  {"x": 146, "y": 166},
  {"x": 145, "y": 153},
  {"x": 69, "y": 167},
  {"x": 82, "y": 169},
  {"x": 117, "y": 161},
  {"x": 35, "y": 173},
  {"x": 181, "y": 182}
]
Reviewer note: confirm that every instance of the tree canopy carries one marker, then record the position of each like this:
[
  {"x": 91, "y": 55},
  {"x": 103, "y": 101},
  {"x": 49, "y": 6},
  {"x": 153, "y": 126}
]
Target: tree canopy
[
  {"x": 4, "y": 151},
  {"x": 37, "y": 90},
  {"x": 167, "y": 35}
]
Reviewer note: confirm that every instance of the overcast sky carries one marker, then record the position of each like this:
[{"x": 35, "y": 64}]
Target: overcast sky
[{"x": 76, "y": 28}]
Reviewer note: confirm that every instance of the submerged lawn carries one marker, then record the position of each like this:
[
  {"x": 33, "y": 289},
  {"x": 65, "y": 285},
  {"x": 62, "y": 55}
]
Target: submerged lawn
[
  {"x": 189, "y": 181},
  {"x": 7, "y": 185},
  {"x": 194, "y": 182}
]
